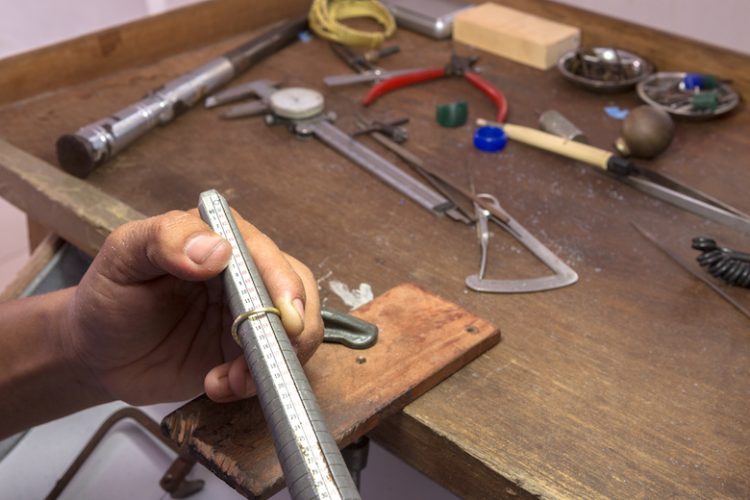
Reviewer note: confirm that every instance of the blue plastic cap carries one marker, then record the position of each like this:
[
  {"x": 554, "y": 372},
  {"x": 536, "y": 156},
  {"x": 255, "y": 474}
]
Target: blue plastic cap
[
  {"x": 490, "y": 139},
  {"x": 692, "y": 81}
]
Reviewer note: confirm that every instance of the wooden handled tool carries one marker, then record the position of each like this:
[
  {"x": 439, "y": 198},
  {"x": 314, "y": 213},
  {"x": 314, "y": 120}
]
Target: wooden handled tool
[
  {"x": 653, "y": 183},
  {"x": 582, "y": 152}
]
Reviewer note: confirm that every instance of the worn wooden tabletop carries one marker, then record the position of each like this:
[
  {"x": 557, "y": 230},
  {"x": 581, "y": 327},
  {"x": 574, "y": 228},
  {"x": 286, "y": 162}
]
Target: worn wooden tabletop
[{"x": 633, "y": 382}]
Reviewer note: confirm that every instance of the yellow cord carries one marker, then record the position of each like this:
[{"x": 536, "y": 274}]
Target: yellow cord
[{"x": 325, "y": 15}]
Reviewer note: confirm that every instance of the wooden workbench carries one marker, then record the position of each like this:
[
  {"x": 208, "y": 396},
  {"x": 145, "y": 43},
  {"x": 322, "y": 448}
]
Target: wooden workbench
[{"x": 634, "y": 382}]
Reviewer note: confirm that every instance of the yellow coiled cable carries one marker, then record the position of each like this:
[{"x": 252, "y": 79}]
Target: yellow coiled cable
[{"x": 325, "y": 15}]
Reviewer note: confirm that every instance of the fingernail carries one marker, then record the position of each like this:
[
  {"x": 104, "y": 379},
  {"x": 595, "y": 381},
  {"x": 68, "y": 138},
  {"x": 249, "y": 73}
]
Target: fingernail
[
  {"x": 202, "y": 246},
  {"x": 223, "y": 390},
  {"x": 292, "y": 315},
  {"x": 300, "y": 307}
]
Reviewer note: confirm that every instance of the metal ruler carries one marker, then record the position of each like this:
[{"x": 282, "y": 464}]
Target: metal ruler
[
  {"x": 312, "y": 463},
  {"x": 381, "y": 168}
]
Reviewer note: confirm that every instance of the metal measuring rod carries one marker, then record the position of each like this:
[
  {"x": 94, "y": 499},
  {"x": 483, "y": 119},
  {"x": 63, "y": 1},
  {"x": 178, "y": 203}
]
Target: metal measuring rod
[
  {"x": 312, "y": 463},
  {"x": 303, "y": 110}
]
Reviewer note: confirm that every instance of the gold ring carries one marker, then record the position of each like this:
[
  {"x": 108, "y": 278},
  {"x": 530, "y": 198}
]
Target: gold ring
[{"x": 251, "y": 315}]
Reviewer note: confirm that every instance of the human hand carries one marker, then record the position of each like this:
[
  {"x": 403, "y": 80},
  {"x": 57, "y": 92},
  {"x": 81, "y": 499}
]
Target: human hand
[{"x": 148, "y": 323}]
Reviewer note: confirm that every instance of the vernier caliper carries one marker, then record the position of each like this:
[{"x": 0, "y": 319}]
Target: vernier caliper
[{"x": 303, "y": 110}]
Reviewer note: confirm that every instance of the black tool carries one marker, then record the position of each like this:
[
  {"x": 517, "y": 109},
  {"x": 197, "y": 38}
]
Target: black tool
[
  {"x": 356, "y": 455},
  {"x": 174, "y": 481},
  {"x": 92, "y": 145},
  {"x": 363, "y": 62},
  {"x": 392, "y": 135},
  {"x": 348, "y": 330},
  {"x": 724, "y": 295},
  {"x": 393, "y": 129},
  {"x": 724, "y": 263}
]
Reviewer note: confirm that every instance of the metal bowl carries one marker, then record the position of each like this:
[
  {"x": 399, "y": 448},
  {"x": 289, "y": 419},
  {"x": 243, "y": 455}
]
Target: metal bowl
[
  {"x": 604, "y": 69},
  {"x": 666, "y": 91}
]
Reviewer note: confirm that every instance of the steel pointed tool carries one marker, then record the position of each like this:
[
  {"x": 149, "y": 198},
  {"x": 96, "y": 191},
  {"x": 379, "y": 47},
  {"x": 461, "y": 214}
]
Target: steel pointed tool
[
  {"x": 648, "y": 181},
  {"x": 376, "y": 75}
]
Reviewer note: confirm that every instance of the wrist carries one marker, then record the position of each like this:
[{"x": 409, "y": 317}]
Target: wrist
[
  {"x": 82, "y": 377},
  {"x": 40, "y": 380}
]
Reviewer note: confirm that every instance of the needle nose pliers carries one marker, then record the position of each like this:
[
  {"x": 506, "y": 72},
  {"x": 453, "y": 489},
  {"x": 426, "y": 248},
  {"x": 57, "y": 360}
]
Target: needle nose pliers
[{"x": 458, "y": 66}]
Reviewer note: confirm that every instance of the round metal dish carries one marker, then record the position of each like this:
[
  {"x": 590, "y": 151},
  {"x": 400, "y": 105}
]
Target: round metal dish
[
  {"x": 604, "y": 69},
  {"x": 665, "y": 91}
]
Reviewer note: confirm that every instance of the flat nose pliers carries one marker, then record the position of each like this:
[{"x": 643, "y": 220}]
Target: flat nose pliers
[{"x": 458, "y": 66}]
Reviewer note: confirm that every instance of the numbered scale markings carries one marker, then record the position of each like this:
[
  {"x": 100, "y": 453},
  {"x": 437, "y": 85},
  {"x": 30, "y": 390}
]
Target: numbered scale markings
[{"x": 311, "y": 461}]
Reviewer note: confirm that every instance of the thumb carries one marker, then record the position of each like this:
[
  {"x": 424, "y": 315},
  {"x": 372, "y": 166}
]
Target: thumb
[{"x": 177, "y": 243}]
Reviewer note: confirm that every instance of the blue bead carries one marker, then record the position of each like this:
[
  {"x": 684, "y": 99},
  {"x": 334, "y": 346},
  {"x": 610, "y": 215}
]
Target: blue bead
[
  {"x": 490, "y": 139},
  {"x": 692, "y": 81}
]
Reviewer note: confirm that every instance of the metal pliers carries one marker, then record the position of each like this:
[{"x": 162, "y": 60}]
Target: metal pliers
[{"x": 458, "y": 66}]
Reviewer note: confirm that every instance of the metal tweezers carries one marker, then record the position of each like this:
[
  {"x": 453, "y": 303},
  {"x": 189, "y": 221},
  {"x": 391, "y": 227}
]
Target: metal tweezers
[
  {"x": 643, "y": 179},
  {"x": 680, "y": 195}
]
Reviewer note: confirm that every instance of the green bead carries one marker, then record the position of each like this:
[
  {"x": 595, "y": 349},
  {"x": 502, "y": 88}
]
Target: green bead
[
  {"x": 453, "y": 114},
  {"x": 705, "y": 101}
]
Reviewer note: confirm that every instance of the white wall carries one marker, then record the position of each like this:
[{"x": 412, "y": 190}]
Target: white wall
[
  {"x": 29, "y": 24},
  {"x": 718, "y": 22},
  {"x": 33, "y": 23}
]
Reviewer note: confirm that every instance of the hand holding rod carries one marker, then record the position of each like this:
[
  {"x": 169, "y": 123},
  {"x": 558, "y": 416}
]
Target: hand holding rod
[
  {"x": 310, "y": 458},
  {"x": 92, "y": 145}
]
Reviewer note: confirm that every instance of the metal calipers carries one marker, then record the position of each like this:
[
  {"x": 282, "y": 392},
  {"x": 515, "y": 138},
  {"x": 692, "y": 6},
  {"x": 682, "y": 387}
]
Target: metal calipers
[{"x": 303, "y": 110}]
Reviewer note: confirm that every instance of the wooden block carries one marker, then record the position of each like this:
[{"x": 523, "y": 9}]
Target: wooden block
[
  {"x": 521, "y": 37},
  {"x": 422, "y": 340}
]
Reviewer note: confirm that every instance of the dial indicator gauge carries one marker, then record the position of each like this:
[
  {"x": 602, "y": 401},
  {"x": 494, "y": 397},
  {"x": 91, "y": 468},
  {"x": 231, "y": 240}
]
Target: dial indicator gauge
[{"x": 297, "y": 103}]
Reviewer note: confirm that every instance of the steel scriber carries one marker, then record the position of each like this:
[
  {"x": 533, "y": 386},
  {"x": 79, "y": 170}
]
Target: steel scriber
[{"x": 648, "y": 181}]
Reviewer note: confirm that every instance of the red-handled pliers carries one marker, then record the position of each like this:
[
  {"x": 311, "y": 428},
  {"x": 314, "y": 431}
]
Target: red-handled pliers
[{"x": 458, "y": 66}]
